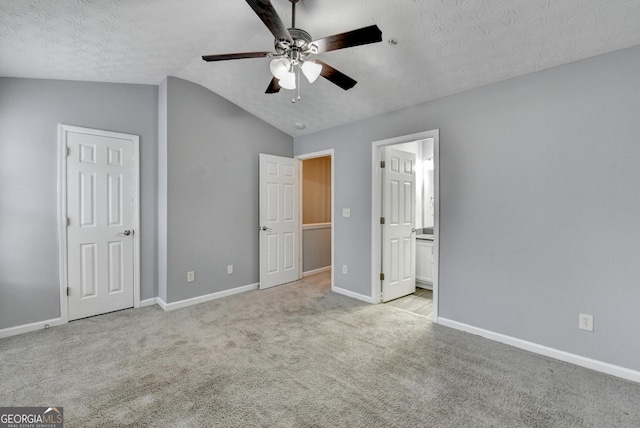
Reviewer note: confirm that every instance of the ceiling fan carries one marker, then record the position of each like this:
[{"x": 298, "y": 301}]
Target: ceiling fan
[{"x": 293, "y": 46}]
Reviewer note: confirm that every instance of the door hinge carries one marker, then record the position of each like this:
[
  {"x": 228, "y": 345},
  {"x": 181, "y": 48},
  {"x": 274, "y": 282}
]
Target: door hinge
[
  {"x": 68, "y": 151},
  {"x": 382, "y": 164},
  {"x": 381, "y": 220},
  {"x": 68, "y": 221},
  {"x": 68, "y": 291},
  {"x": 381, "y": 277}
]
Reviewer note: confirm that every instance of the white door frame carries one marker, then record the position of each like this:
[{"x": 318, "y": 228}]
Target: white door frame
[
  {"x": 376, "y": 207},
  {"x": 62, "y": 210},
  {"x": 313, "y": 155}
]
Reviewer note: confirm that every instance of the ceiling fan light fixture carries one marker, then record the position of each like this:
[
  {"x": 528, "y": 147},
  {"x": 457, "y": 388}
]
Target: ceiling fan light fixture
[
  {"x": 294, "y": 44},
  {"x": 311, "y": 70},
  {"x": 280, "y": 68}
]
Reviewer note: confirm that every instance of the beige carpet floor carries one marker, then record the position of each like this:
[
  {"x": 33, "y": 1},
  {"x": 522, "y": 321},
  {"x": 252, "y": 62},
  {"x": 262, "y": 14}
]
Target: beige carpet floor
[{"x": 298, "y": 355}]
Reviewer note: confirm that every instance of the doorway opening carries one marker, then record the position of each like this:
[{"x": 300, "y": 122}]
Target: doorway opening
[
  {"x": 316, "y": 208},
  {"x": 423, "y": 251}
]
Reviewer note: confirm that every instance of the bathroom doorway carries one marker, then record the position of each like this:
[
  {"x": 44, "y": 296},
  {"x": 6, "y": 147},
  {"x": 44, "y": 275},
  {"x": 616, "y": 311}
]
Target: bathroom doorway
[{"x": 425, "y": 148}]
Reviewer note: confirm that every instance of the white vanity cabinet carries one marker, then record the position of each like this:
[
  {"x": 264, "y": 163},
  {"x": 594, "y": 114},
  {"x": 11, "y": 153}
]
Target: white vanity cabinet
[{"x": 424, "y": 263}]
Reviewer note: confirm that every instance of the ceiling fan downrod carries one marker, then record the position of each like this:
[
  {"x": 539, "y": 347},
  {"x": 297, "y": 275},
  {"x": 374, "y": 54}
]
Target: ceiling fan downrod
[{"x": 293, "y": 13}]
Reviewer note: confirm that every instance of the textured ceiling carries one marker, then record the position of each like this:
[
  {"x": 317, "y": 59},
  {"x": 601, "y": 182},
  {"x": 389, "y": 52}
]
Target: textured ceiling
[{"x": 444, "y": 47}]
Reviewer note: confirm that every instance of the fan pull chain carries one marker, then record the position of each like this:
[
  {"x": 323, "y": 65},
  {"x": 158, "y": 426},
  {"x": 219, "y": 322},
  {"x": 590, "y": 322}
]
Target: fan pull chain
[
  {"x": 298, "y": 77},
  {"x": 296, "y": 71}
]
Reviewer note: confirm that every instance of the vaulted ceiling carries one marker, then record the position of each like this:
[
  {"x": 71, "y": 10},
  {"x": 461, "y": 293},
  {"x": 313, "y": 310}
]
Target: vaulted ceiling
[{"x": 443, "y": 47}]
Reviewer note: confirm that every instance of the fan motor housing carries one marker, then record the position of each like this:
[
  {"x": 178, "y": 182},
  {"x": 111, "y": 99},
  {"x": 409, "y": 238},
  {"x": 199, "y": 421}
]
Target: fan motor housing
[
  {"x": 299, "y": 36},
  {"x": 301, "y": 40}
]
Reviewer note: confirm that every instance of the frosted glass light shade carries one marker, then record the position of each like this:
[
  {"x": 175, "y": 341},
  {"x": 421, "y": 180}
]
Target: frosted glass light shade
[
  {"x": 311, "y": 70},
  {"x": 288, "y": 81},
  {"x": 279, "y": 67}
]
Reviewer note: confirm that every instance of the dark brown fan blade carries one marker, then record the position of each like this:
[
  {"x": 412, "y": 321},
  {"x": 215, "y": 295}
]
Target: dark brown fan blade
[
  {"x": 242, "y": 55},
  {"x": 362, "y": 36},
  {"x": 334, "y": 76},
  {"x": 274, "y": 87},
  {"x": 265, "y": 11}
]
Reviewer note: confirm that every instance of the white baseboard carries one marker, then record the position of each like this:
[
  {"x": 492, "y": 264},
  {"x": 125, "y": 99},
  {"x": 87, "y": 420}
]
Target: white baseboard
[
  {"x": 578, "y": 360},
  {"x": 206, "y": 298},
  {"x": 348, "y": 293},
  {"x": 149, "y": 302},
  {"x": 315, "y": 271},
  {"x": 26, "y": 328},
  {"x": 425, "y": 285}
]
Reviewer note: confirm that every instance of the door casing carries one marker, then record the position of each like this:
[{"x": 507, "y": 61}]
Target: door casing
[
  {"x": 376, "y": 208},
  {"x": 62, "y": 210}
]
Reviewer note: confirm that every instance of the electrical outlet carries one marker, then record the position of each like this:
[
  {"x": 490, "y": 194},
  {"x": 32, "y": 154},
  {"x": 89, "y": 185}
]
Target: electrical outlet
[
  {"x": 586, "y": 322},
  {"x": 229, "y": 269},
  {"x": 191, "y": 276},
  {"x": 344, "y": 269},
  {"x": 346, "y": 212}
]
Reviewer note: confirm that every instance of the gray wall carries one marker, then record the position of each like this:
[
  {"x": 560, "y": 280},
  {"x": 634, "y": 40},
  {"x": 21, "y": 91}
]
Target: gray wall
[
  {"x": 316, "y": 248},
  {"x": 539, "y": 204},
  {"x": 30, "y": 111},
  {"x": 212, "y": 190}
]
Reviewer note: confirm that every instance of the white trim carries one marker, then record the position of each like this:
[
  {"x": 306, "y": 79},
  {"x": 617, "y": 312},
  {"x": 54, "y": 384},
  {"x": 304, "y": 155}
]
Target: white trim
[
  {"x": 301, "y": 227},
  {"x": 34, "y": 326},
  {"x": 149, "y": 302},
  {"x": 578, "y": 360},
  {"x": 376, "y": 207},
  {"x": 436, "y": 224},
  {"x": 62, "y": 222},
  {"x": 311, "y": 226},
  {"x": 352, "y": 294},
  {"x": 62, "y": 210},
  {"x": 135, "y": 196},
  {"x": 312, "y": 155},
  {"x": 206, "y": 298},
  {"x": 315, "y": 271}
]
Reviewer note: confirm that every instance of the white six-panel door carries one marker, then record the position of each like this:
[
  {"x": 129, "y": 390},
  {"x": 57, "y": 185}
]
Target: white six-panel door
[
  {"x": 279, "y": 220},
  {"x": 398, "y": 230},
  {"x": 100, "y": 228}
]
